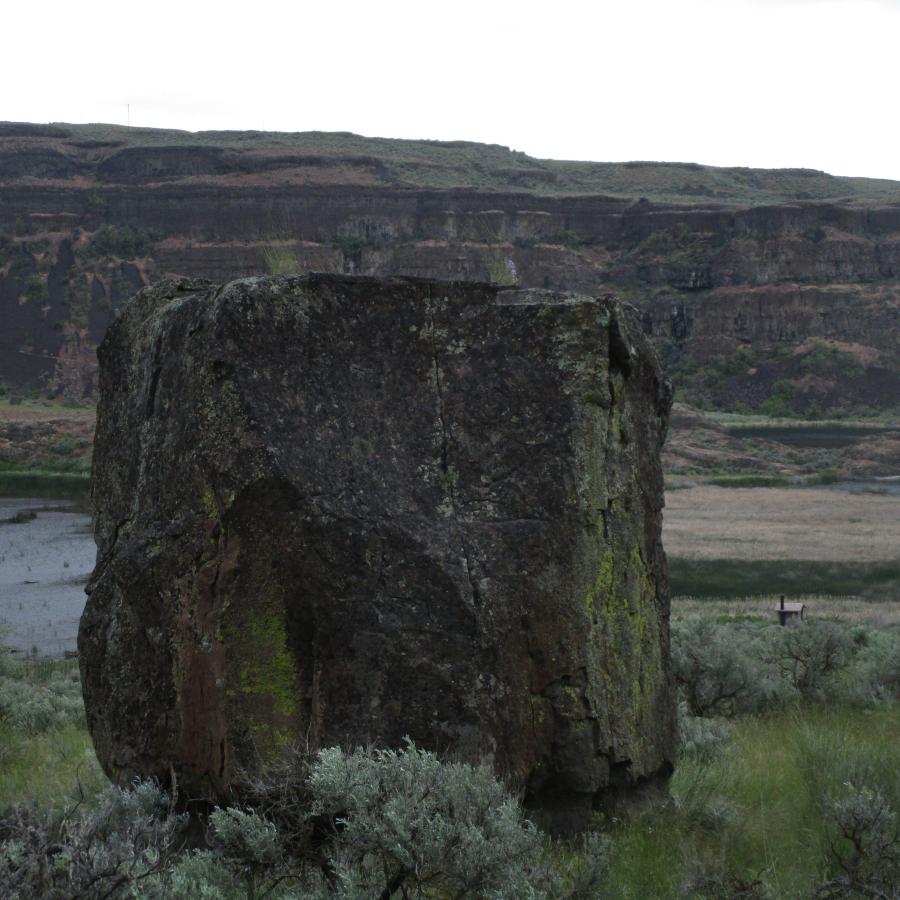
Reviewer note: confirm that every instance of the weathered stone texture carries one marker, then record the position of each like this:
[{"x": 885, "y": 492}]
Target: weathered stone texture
[{"x": 337, "y": 510}]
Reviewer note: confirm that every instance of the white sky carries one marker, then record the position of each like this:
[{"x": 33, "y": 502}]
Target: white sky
[{"x": 768, "y": 83}]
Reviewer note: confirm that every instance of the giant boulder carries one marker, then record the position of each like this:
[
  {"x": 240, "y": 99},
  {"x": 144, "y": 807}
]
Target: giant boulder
[{"x": 336, "y": 510}]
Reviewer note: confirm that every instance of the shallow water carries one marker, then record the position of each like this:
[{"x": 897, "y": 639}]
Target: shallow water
[
  {"x": 44, "y": 566},
  {"x": 885, "y": 486},
  {"x": 823, "y": 438}
]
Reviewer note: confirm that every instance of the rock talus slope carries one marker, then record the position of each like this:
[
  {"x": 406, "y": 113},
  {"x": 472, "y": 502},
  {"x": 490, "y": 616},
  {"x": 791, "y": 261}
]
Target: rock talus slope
[{"x": 338, "y": 510}]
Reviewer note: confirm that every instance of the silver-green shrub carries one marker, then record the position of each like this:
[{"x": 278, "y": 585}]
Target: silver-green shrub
[
  {"x": 385, "y": 823},
  {"x": 732, "y": 668},
  {"x": 33, "y": 708},
  {"x": 722, "y": 669},
  {"x": 810, "y": 657},
  {"x": 107, "y": 851},
  {"x": 874, "y": 675},
  {"x": 865, "y": 844},
  {"x": 196, "y": 875},
  {"x": 405, "y": 819},
  {"x": 703, "y": 739}
]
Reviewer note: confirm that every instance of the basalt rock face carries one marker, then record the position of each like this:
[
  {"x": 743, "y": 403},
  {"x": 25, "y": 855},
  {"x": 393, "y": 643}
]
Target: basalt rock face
[
  {"x": 335, "y": 510},
  {"x": 761, "y": 289}
]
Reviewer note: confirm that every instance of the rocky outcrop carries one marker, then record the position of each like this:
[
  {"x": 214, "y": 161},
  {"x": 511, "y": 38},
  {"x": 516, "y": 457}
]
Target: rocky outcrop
[{"x": 336, "y": 510}]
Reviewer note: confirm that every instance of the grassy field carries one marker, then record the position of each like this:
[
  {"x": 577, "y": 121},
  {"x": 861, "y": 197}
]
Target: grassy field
[
  {"x": 45, "y": 448},
  {"x": 36, "y": 407},
  {"x": 43, "y": 483},
  {"x": 706, "y": 522},
  {"x": 45, "y": 750},
  {"x": 737, "y": 422},
  {"x": 755, "y": 813},
  {"x": 728, "y": 579},
  {"x": 744, "y": 547},
  {"x": 755, "y": 421}
]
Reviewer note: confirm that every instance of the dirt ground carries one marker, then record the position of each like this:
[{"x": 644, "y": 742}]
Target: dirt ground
[{"x": 707, "y": 522}]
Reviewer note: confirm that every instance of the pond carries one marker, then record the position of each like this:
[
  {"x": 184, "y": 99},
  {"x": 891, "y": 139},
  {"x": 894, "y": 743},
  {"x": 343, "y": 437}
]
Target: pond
[
  {"x": 824, "y": 438},
  {"x": 47, "y": 553},
  {"x": 878, "y": 486}
]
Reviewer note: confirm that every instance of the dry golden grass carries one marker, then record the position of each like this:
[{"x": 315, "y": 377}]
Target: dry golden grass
[{"x": 707, "y": 522}]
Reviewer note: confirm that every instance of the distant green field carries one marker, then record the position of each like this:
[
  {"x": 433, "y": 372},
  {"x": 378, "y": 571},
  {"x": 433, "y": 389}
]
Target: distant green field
[
  {"x": 719, "y": 578},
  {"x": 737, "y": 422},
  {"x": 42, "y": 483}
]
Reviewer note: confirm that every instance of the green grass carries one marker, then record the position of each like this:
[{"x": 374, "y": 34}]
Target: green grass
[
  {"x": 736, "y": 422},
  {"x": 47, "y": 767},
  {"x": 773, "y": 782},
  {"x": 280, "y": 257},
  {"x": 723, "y": 578},
  {"x": 749, "y": 481},
  {"x": 754, "y": 480},
  {"x": 45, "y": 483}
]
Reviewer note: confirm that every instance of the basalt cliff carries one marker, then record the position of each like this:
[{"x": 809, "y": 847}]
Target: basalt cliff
[{"x": 776, "y": 291}]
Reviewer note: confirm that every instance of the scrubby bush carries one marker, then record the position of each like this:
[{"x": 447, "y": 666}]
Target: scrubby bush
[
  {"x": 35, "y": 707},
  {"x": 874, "y": 675},
  {"x": 865, "y": 844},
  {"x": 721, "y": 669},
  {"x": 703, "y": 739},
  {"x": 36, "y": 289},
  {"x": 701, "y": 797},
  {"x": 731, "y": 668},
  {"x": 248, "y": 843},
  {"x": 809, "y": 657},
  {"x": 280, "y": 258},
  {"x": 122, "y": 241},
  {"x": 196, "y": 875},
  {"x": 9, "y": 665},
  {"x": 384, "y": 823},
  {"x": 107, "y": 852},
  {"x": 702, "y": 884},
  {"x": 404, "y": 820}
]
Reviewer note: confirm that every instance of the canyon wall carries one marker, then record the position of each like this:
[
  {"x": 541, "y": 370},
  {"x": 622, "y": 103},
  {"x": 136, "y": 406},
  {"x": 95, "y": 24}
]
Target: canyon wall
[{"x": 771, "y": 291}]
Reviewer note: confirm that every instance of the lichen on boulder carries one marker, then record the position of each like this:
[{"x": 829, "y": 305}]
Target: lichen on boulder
[{"x": 342, "y": 511}]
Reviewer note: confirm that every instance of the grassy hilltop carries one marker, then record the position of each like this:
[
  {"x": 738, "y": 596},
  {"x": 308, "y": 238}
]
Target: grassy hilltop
[{"x": 465, "y": 164}]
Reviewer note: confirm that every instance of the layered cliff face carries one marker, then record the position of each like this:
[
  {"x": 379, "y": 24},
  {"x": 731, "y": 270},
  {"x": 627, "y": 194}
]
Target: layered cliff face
[
  {"x": 341, "y": 511},
  {"x": 773, "y": 291}
]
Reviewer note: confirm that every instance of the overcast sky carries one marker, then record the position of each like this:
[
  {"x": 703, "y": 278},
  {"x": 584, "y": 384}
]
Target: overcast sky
[{"x": 768, "y": 83}]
